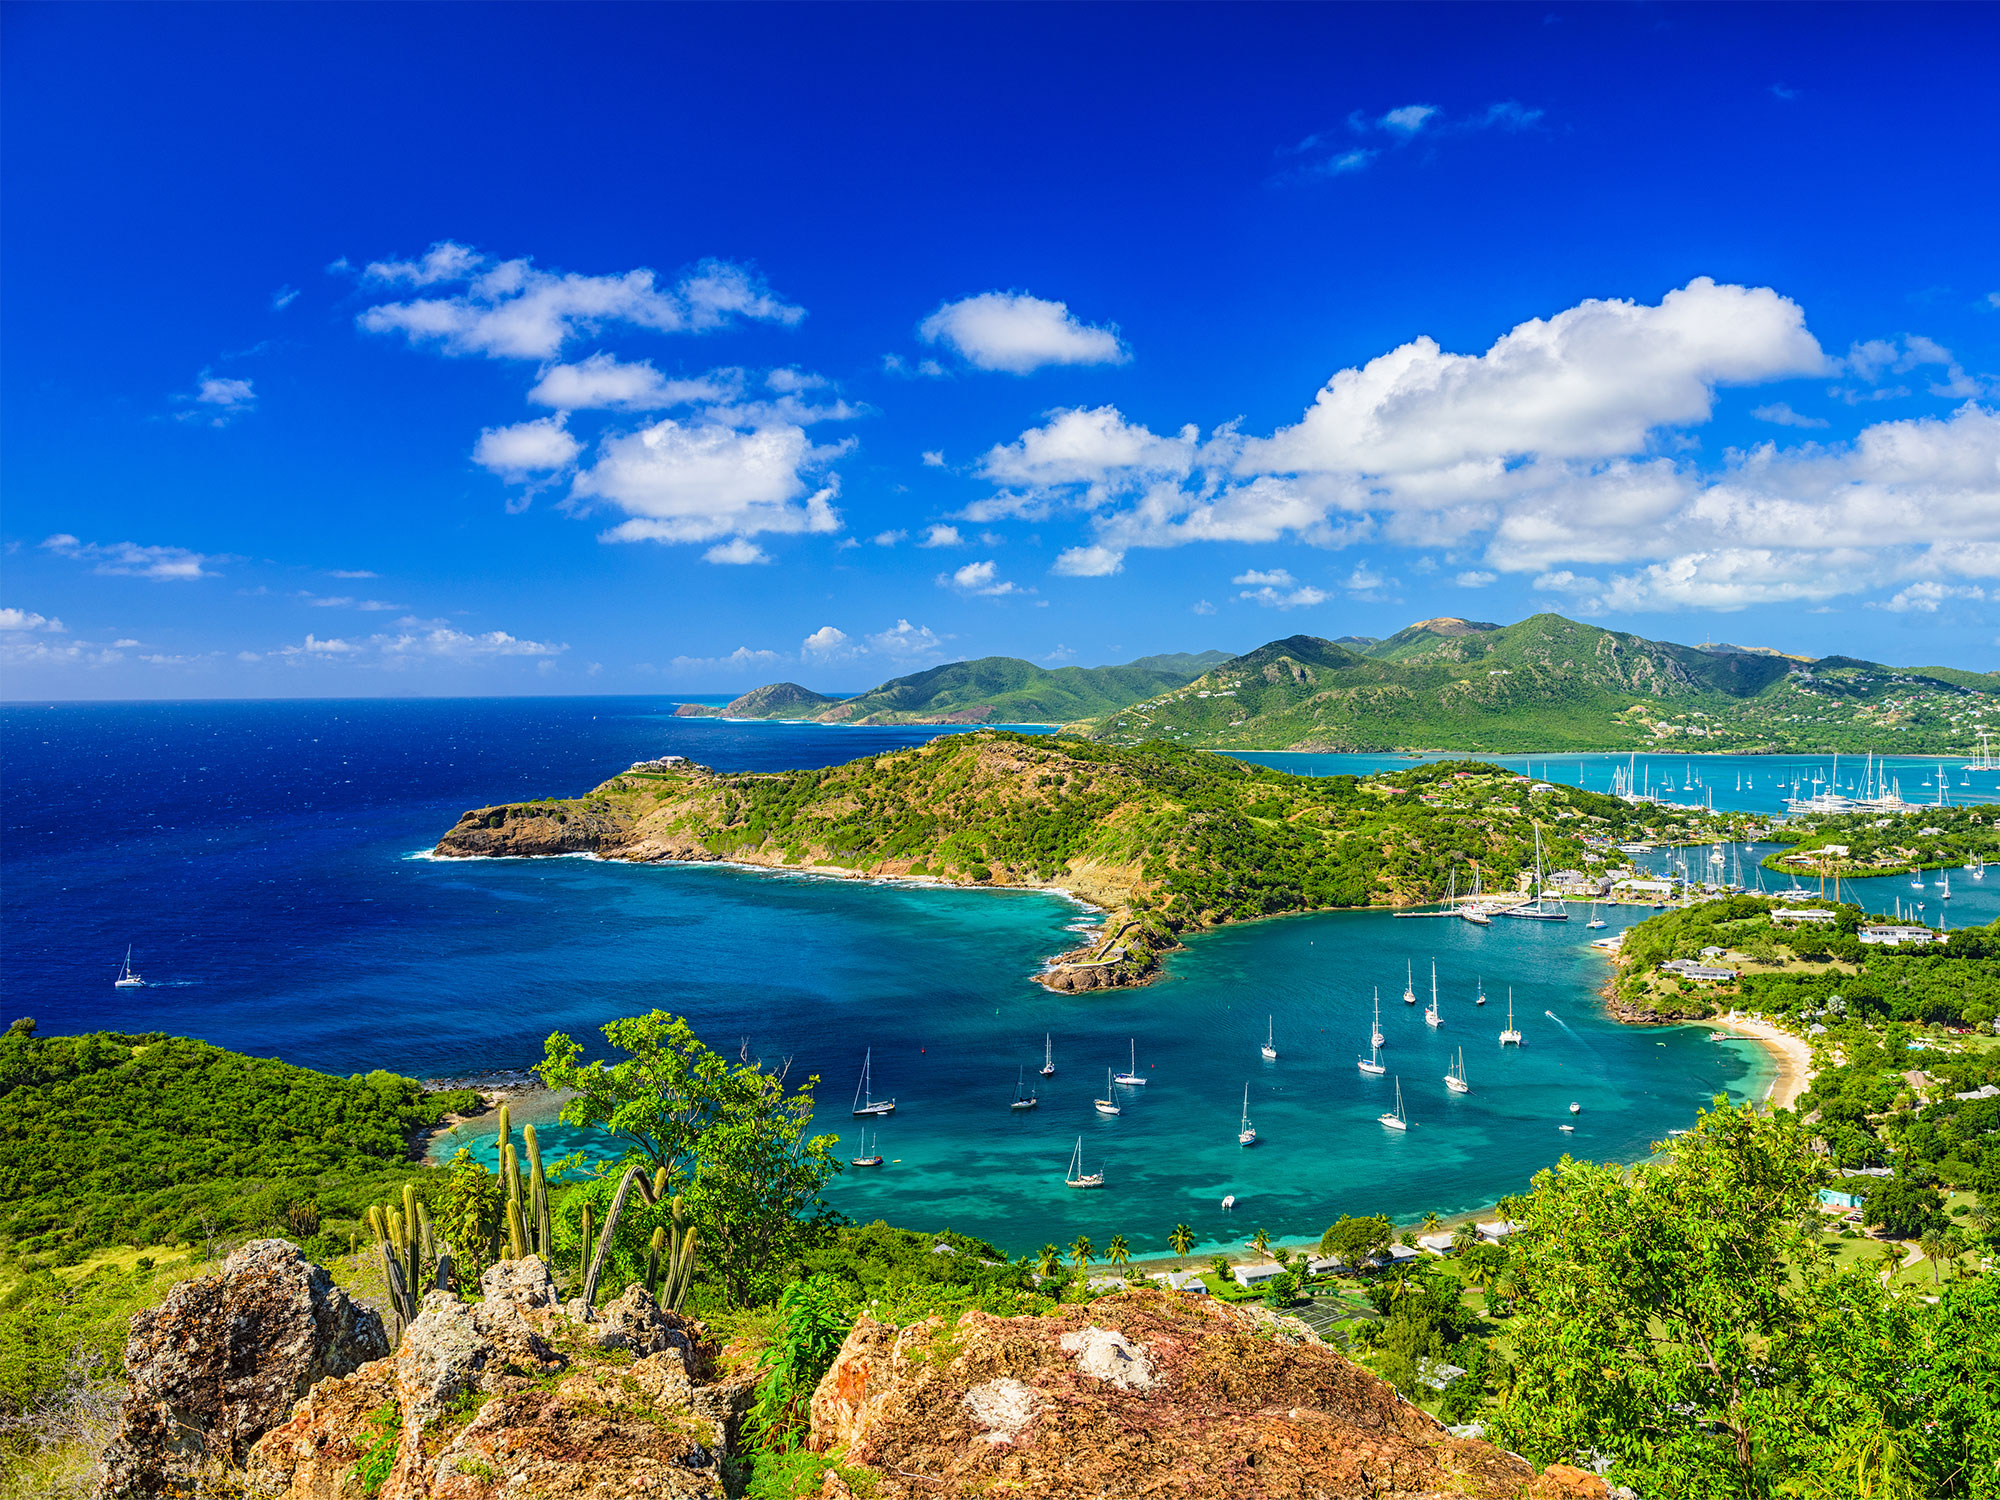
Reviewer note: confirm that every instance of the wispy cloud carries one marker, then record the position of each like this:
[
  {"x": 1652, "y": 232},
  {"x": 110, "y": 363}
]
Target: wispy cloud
[{"x": 130, "y": 559}]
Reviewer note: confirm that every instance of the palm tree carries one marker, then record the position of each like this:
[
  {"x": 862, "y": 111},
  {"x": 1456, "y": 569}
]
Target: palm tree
[
  {"x": 1079, "y": 1252},
  {"x": 1432, "y": 1223},
  {"x": 1890, "y": 1258},
  {"x": 1261, "y": 1243},
  {"x": 1182, "y": 1239},
  {"x": 1118, "y": 1252},
  {"x": 1049, "y": 1261},
  {"x": 1464, "y": 1237}
]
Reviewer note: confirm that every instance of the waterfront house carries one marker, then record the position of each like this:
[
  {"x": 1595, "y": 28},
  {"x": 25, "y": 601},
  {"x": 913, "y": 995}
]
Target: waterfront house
[
  {"x": 1893, "y": 935},
  {"x": 1256, "y": 1275},
  {"x": 1438, "y": 1244},
  {"x": 1495, "y": 1231},
  {"x": 1819, "y": 916}
]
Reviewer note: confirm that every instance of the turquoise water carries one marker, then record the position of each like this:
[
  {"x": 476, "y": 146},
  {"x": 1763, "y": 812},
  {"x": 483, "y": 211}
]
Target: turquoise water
[
  {"x": 1732, "y": 783},
  {"x": 258, "y": 856},
  {"x": 937, "y": 982}
]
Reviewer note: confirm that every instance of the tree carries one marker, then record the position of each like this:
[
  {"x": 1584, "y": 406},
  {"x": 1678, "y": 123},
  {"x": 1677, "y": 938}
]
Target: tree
[
  {"x": 1354, "y": 1240},
  {"x": 1932, "y": 1244},
  {"x": 468, "y": 1217},
  {"x": 1048, "y": 1262},
  {"x": 1261, "y": 1243},
  {"x": 1465, "y": 1237},
  {"x": 1655, "y": 1300},
  {"x": 1432, "y": 1223},
  {"x": 1182, "y": 1240},
  {"x": 1281, "y": 1290},
  {"x": 732, "y": 1138},
  {"x": 1079, "y": 1252},
  {"x": 1905, "y": 1208},
  {"x": 1118, "y": 1253}
]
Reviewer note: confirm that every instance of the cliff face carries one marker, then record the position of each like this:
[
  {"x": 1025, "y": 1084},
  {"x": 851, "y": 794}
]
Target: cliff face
[{"x": 1144, "y": 1393}]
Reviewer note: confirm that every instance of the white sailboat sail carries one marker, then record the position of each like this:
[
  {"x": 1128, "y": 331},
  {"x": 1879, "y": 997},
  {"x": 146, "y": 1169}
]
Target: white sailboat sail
[
  {"x": 1395, "y": 1120},
  {"x": 1270, "y": 1048},
  {"x": 1076, "y": 1177},
  {"x": 1246, "y": 1134}
]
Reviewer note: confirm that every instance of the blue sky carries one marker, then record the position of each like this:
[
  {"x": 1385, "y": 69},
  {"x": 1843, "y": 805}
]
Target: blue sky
[{"x": 447, "y": 349}]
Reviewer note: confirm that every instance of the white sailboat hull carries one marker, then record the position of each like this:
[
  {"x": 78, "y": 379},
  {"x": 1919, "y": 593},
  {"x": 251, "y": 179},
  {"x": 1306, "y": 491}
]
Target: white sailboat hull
[
  {"x": 878, "y": 1107},
  {"x": 1370, "y": 1067},
  {"x": 1106, "y": 1107},
  {"x": 1456, "y": 1086},
  {"x": 1393, "y": 1123}
]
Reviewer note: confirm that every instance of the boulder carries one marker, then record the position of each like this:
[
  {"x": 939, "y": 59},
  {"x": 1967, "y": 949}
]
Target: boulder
[
  {"x": 223, "y": 1360},
  {"x": 1144, "y": 1393},
  {"x": 514, "y": 1397}
]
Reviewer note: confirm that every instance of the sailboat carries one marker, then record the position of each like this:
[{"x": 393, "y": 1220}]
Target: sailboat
[
  {"x": 1076, "y": 1177},
  {"x": 1048, "y": 1056},
  {"x": 1596, "y": 915},
  {"x": 126, "y": 979},
  {"x": 1431, "y": 1016},
  {"x": 1978, "y": 867},
  {"x": 868, "y": 1158},
  {"x": 1944, "y": 885},
  {"x": 865, "y": 1102},
  {"x": 1023, "y": 1099},
  {"x": 1246, "y": 1135},
  {"x": 1396, "y": 1121},
  {"x": 1409, "y": 984},
  {"x": 1454, "y": 1078},
  {"x": 1107, "y": 1105},
  {"x": 1372, "y": 1063},
  {"x": 1270, "y": 1048},
  {"x": 1917, "y": 879},
  {"x": 1132, "y": 1077},
  {"x": 1479, "y": 997},
  {"x": 1375, "y": 1039},
  {"x": 1510, "y": 1037},
  {"x": 1544, "y": 908}
]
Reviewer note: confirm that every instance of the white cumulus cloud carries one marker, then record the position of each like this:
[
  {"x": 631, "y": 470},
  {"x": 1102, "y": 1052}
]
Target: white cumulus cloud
[
  {"x": 515, "y": 310},
  {"x": 1017, "y": 333},
  {"x": 539, "y": 446},
  {"x": 942, "y": 536},
  {"x": 698, "y": 481},
  {"x": 27, "y": 619},
  {"x": 824, "y": 641},
  {"x": 978, "y": 578},
  {"x": 604, "y": 380},
  {"x": 738, "y": 550}
]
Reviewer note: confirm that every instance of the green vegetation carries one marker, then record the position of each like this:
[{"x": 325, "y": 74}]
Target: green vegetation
[
  {"x": 1785, "y": 969},
  {"x": 1169, "y": 839},
  {"x": 1548, "y": 683},
  {"x": 1684, "y": 1319},
  {"x": 110, "y": 1139},
  {"x": 993, "y": 690},
  {"x": 1847, "y": 844}
]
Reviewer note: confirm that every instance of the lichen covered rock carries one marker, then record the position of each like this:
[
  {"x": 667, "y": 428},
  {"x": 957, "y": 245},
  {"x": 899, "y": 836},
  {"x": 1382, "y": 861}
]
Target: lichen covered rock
[
  {"x": 513, "y": 1397},
  {"x": 1143, "y": 1394},
  {"x": 221, "y": 1362}
]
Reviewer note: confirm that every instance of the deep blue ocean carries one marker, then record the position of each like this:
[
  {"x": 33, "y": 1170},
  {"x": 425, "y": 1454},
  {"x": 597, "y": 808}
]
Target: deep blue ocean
[{"x": 265, "y": 863}]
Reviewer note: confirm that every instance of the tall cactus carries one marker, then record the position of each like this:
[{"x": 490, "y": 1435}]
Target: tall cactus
[
  {"x": 538, "y": 1223},
  {"x": 583, "y": 1243},
  {"x": 399, "y": 1234},
  {"x": 670, "y": 1265}
]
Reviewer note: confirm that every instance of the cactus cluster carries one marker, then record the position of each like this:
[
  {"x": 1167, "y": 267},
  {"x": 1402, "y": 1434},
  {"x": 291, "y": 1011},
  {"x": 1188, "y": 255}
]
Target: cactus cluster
[
  {"x": 530, "y": 1229},
  {"x": 670, "y": 1257},
  {"x": 407, "y": 1245}
]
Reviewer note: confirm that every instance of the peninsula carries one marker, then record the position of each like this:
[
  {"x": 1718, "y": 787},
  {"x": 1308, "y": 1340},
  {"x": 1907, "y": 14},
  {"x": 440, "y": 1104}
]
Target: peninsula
[{"x": 1164, "y": 839}]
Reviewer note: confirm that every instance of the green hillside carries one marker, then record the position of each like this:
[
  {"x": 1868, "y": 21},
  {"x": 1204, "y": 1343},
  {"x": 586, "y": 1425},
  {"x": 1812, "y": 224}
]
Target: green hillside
[
  {"x": 1549, "y": 683},
  {"x": 1166, "y": 839},
  {"x": 991, "y": 690}
]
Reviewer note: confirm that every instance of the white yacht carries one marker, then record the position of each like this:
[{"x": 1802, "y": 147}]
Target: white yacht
[
  {"x": 869, "y": 1158},
  {"x": 1132, "y": 1077},
  {"x": 1270, "y": 1048},
  {"x": 1372, "y": 1063},
  {"x": 1076, "y": 1177},
  {"x": 1107, "y": 1105},
  {"x": 1409, "y": 984},
  {"x": 865, "y": 1102},
  {"x": 1395, "y": 1120},
  {"x": 1375, "y": 1038},
  {"x": 1048, "y": 1055},
  {"x": 1246, "y": 1134},
  {"x": 1022, "y": 1098},
  {"x": 1431, "y": 1016},
  {"x": 1510, "y": 1037},
  {"x": 126, "y": 979},
  {"x": 1454, "y": 1078}
]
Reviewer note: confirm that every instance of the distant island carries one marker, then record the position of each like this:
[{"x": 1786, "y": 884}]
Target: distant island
[
  {"x": 1545, "y": 683},
  {"x": 1164, "y": 839}
]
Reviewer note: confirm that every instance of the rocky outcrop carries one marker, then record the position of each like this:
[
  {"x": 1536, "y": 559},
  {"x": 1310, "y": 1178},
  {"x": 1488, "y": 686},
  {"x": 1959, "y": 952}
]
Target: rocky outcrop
[
  {"x": 512, "y": 1396},
  {"x": 524, "y": 830},
  {"x": 222, "y": 1361},
  {"x": 1143, "y": 1393}
]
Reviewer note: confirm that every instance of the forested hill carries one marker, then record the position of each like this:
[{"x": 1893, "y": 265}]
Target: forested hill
[
  {"x": 990, "y": 690},
  {"x": 1167, "y": 838},
  {"x": 1548, "y": 683}
]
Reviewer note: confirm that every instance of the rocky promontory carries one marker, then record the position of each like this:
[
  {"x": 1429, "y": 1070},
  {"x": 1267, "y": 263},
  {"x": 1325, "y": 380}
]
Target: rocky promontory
[{"x": 265, "y": 1382}]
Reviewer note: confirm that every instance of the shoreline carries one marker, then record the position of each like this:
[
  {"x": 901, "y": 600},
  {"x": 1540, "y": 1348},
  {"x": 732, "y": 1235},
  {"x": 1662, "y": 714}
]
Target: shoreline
[{"x": 1792, "y": 1055}]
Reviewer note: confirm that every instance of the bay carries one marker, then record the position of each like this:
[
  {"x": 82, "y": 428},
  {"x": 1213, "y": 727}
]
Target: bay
[{"x": 262, "y": 858}]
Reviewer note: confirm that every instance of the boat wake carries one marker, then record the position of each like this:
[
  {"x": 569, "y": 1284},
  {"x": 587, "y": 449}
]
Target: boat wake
[{"x": 1558, "y": 1020}]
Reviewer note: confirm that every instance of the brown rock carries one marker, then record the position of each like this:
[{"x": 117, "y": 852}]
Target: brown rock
[
  {"x": 1140, "y": 1394},
  {"x": 512, "y": 1398},
  {"x": 221, "y": 1362}
]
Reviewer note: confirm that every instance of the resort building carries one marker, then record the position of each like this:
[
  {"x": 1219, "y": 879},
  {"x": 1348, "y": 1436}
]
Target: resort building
[
  {"x": 1819, "y": 916},
  {"x": 1892, "y": 936},
  {"x": 1687, "y": 968},
  {"x": 1257, "y": 1275}
]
